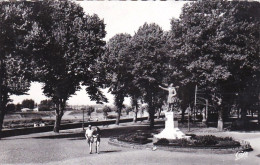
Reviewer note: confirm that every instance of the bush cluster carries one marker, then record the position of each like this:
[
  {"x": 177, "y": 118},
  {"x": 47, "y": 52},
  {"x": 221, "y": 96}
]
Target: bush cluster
[
  {"x": 138, "y": 137},
  {"x": 201, "y": 141},
  {"x": 46, "y": 105}
]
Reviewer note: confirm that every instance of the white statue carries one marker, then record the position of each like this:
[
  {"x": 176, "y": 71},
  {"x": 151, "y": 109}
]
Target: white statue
[{"x": 171, "y": 95}]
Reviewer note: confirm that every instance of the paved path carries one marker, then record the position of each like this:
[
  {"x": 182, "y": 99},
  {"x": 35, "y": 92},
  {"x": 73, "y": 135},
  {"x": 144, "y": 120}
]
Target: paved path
[{"x": 70, "y": 147}]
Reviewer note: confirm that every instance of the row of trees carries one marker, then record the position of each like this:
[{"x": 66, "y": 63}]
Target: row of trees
[
  {"x": 214, "y": 45},
  {"x": 27, "y": 103},
  {"x": 52, "y": 42}
]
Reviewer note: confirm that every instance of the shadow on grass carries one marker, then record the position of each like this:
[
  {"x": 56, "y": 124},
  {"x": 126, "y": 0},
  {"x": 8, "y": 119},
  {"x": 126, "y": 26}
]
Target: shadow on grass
[
  {"x": 109, "y": 151},
  {"x": 105, "y": 132}
]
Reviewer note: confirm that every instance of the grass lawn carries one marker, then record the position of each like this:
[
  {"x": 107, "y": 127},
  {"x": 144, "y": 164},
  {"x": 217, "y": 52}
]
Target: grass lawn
[{"x": 27, "y": 119}]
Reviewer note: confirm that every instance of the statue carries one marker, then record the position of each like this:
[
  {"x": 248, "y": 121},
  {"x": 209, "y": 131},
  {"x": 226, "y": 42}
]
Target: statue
[
  {"x": 171, "y": 96},
  {"x": 171, "y": 130}
]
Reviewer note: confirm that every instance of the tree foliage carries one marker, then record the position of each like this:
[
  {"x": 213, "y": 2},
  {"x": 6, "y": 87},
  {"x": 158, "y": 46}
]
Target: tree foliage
[
  {"x": 149, "y": 63},
  {"x": 90, "y": 109},
  {"x": 215, "y": 44},
  {"x": 64, "y": 44},
  {"x": 28, "y": 103},
  {"x": 115, "y": 64},
  {"x": 15, "y": 65},
  {"x": 46, "y": 105}
]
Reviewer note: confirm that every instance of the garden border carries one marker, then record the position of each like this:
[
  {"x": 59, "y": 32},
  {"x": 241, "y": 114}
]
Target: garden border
[{"x": 244, "y": 146}]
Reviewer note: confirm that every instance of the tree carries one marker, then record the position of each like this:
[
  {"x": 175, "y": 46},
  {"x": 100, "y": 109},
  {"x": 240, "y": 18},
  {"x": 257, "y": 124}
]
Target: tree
[
  {"x": 238, "y": 39},
  {"x": 90, "y": 109},
  {"x": 105, "y": 110},
  {"x": 116, "y": 64},
  {"x": 128, "y": 110},
  {"x": 177, "y": 72},
  {"x": 46, "y": 105},
  {"x": 18, "y": 107},
  {"x": 134, "y": 103},
  {"x": 64, "y": 43},
  {"x": 215, "y": 45},
  {"x": 149, "y": 62},
  {"x": 28, "y": 103},
  {"x": 10, "y": 107},
  {"x": 14, "y": 62}
]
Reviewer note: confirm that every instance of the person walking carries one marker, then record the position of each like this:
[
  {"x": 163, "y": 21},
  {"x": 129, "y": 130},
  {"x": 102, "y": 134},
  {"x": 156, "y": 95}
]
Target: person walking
[
  {"x": 97, "y": 136},
  {"x": 89, "y": 137}
]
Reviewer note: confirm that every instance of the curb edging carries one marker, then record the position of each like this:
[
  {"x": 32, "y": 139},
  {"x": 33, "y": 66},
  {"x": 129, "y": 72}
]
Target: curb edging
[{"x": 115, "y": 142}]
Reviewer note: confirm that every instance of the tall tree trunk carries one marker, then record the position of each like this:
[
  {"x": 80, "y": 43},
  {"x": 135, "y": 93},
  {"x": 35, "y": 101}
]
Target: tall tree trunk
[
  {"x": 159, "y": 113},
  {"x": 220, "y": 119},
  {"x": 2, "y": 114},
  {"x": 135, "y": 118},
  {"x": 119, "y": 99},
  {"x": 238, "y": 113},
  {"x": 57, "y": 123},
  {"x": 135, "y": 113},
  {"x": 3, "y": 103},
  {"x": 151, "y": 115},
  {"x": 2, "y": 110},
  {"x": 118, "y": 115},
  {"x": 243, "y": 116},
  {"x": 59, "y": 113},
  {"x": 183, "y": 109},
  {"x": 258, "y": 115}
]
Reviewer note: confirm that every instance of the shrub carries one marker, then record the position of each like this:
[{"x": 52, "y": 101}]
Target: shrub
[
  {"x": 181, "y": 142},
  {"x": 90, "y": 109},
  {"x": 128, "y": 109},
  {"x": 199, "y": 117},
  {"x": 207, "y": 140},
  {"x": 18, "y": 107},
  {"x": 105, "y": 111},
  {"x": 201, "y": 141},
  {"x": 228, "y": 144},
  {"x": 162, "y": 141},
  {"x": 138, "y": 137},
  {"x": 46, "y": 105},
  {"x": 10, "y": 107},
  {"x": 28, "y": 103},
  {"x": 143, "y": 109}
]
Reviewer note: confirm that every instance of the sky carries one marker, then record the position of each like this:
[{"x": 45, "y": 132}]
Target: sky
[{"x": 119, "y": 17}]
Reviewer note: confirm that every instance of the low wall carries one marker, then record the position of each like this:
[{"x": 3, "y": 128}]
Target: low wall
[{"x": 24, "y": 131}]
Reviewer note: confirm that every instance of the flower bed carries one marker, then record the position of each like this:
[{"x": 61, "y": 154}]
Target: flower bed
[
  {"x": 206, "y": 141},
  {"x": 137, "y": 138}
]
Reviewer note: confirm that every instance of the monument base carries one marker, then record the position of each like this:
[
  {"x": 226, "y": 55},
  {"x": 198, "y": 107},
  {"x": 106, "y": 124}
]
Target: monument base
[
  {"x": 171, "y": 130},
  {"x": 174, "y": 133}
]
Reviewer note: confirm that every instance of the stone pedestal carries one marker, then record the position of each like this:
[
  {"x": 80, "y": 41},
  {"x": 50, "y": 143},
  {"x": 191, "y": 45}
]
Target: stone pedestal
[{"x": 171, "y": 130}]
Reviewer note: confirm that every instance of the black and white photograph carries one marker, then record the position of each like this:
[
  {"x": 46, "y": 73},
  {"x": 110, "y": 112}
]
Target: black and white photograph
[{"x": 114, "y": 82}]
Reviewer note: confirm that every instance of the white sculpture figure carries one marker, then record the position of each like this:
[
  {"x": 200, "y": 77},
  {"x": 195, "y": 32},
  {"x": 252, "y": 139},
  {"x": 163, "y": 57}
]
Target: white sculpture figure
[
  {"x": 171, "y": 96},
  {"x": 171, "y": 130}
]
